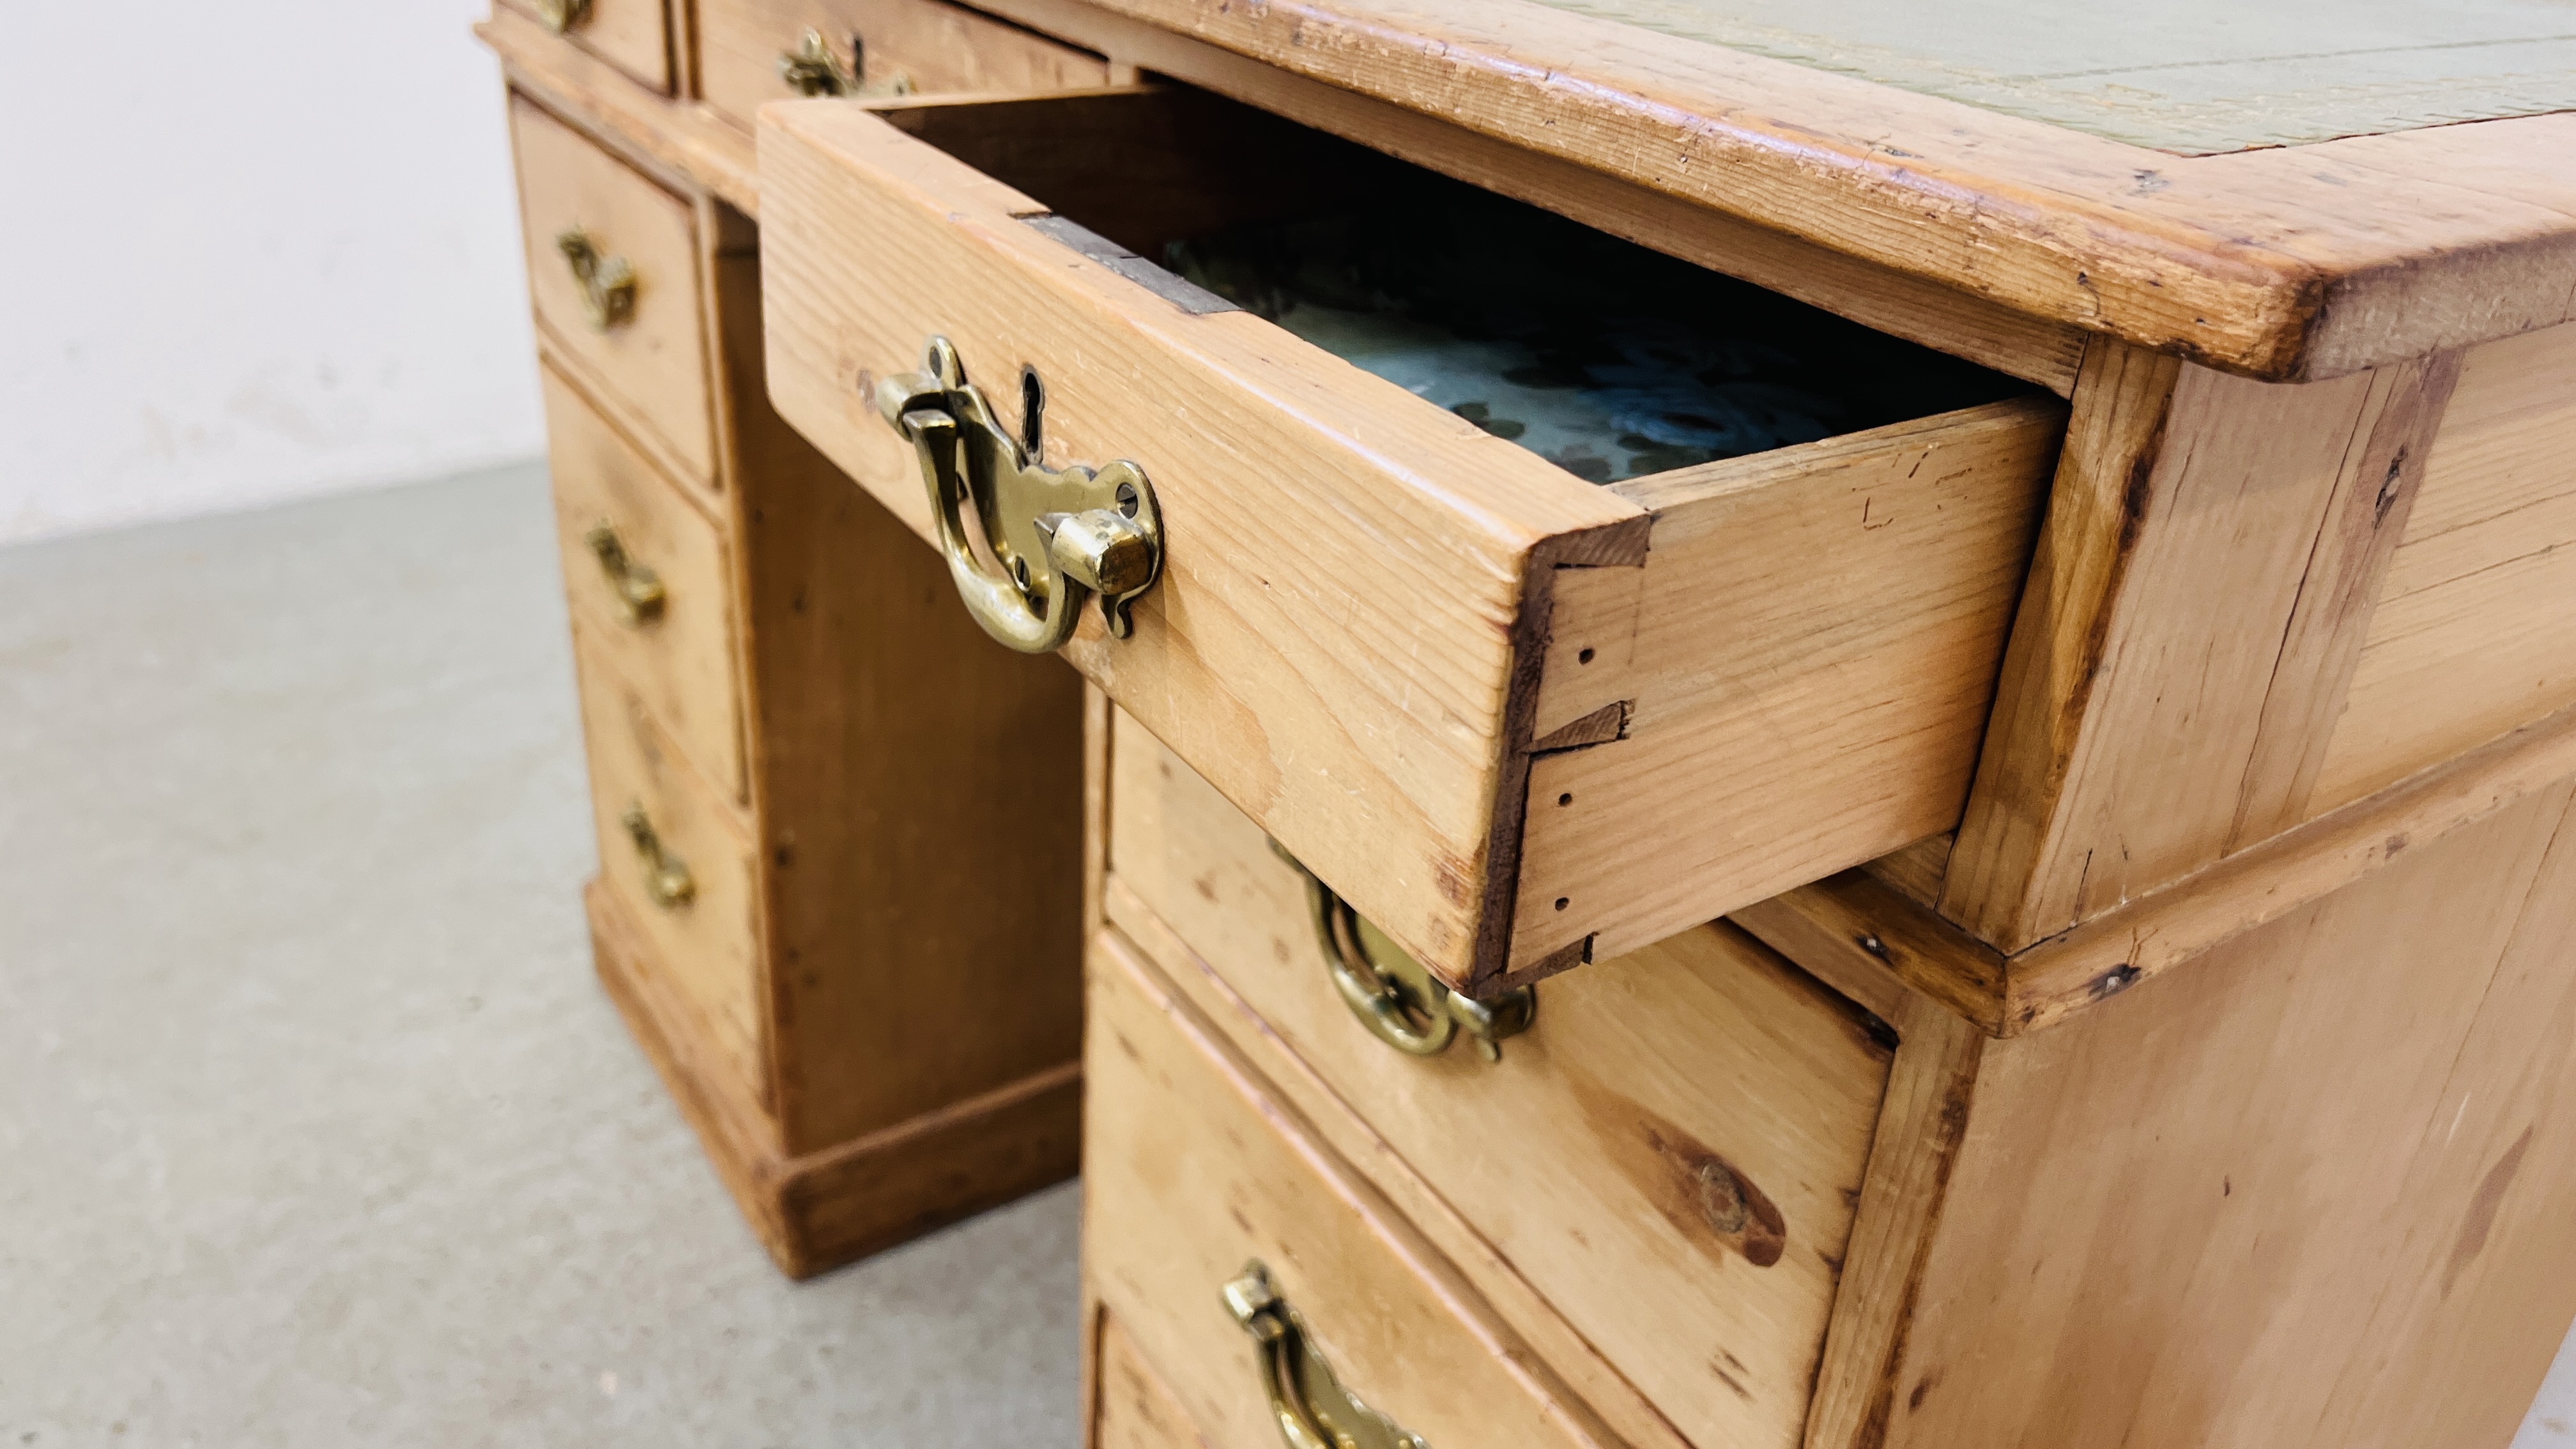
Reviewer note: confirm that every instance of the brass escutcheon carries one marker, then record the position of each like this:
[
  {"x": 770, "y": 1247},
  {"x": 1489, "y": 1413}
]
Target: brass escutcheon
[
  {"x": 636, "y": 589},
  {"x": 814, "y": 69},
  {"x": 667, "y": 882},
  {"x": 607, "y": 283},
  {"x": 1025, "y": 543},
  {"x": 1313, "y": 1409},
  {"x": 1396, "y": 997},
  {"x": 562, "y": 15}
]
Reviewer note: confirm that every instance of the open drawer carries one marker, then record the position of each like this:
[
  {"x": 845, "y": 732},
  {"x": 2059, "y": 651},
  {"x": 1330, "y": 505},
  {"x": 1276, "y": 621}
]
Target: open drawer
[{"x": 1583, "y": 597}]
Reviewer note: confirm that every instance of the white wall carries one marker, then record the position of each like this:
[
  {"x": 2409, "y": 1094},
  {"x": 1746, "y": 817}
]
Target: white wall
[{"x": 249, "y": 251}]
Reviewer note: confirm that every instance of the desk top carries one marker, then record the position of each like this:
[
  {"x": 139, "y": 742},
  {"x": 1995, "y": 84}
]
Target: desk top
[
  {"x": 2115, "y": 169},
  {"x": 2193, "y": 77}
]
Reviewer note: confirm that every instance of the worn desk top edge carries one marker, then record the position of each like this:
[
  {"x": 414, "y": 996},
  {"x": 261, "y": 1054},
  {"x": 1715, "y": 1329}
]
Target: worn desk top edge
[{"x": 2286, "y": 263}]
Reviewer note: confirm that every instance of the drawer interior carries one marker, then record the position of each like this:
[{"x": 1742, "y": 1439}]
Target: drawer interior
[
  {"x": 1720, "y": 616},
  {"x": 1603, "y": 356}
]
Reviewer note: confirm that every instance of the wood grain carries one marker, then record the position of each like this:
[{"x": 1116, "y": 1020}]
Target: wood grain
[
  {"x": 919, "y": 794},
  {"x": 1802, "y": 670},
  {"x": 1131, "y": 1406},
  {"x": 817, "y": 1212},
  {"x": 1866, "y": 936},
  {"x": 682, "y": 144},
  {"x": 1918, "y": 869},
  {"x": 633, "y": 35},
  {"x": 1346, "y": 683},
  {"x": 2168, "y": 927},
  {"x": 1933, "y": 311},
  {"x": 2469, "y": 638},
  {"x": 961, "y": 1158},
  {"x": 1861, "y": 929},
  {"x": 2339, "y": 588},
  {"x": 2210, "y": 550},
  {"x": 2191, "y": 77},
  {"x": 925, "y": 45},
  {"x": 1195, "y": 1167},
  {"x": 2478, "y": 1283},
  {"x": 1920, "y": 1126},
  {"x": 2210, "y": 1212},
  {"x": 711, "y": 942},
  {"x": 1630, "y": 1418},
  {"x": 655, "y": 365},
  {"x": 680, "y": 658},
  {"x": 2287, "y": 264},
  {"x": 1639, "y": 1076}
]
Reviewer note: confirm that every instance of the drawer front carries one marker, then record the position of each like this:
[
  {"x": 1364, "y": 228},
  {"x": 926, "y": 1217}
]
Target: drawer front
[
  {"x": 1131, "y": 1406},
  {"x": 646, "y": 574},
  {"x": 649, "y": 357},
  {"x": 687, "y": 885},
  {"x": 1521, "y": 720},
  {"x": 1192, "y": 1171},
  {"x": 1670, "y": 1154},
  {"x": 901, "y": 46},
  {"x": 633, "y": 35}
]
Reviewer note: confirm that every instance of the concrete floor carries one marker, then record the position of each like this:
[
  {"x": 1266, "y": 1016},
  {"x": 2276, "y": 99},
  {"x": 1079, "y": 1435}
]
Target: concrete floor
[{"x": 316, "y": 1130}]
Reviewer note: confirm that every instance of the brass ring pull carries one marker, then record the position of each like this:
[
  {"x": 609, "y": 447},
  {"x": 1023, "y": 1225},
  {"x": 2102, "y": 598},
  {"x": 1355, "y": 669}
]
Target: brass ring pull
[
  {"x": 1313, "y": 1409},
  {"x": 1025, "y": 543},
  {"x": 636, "y": 589},
  {"x": 1395, "y": 996},
  {"x": 667, "y": 881},
  {"x": 562, "y": 15},
  {"x": 607, "y": 283}
]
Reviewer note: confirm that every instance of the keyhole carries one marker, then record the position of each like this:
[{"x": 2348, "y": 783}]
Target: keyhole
[{"x": 1032, "y": 413}]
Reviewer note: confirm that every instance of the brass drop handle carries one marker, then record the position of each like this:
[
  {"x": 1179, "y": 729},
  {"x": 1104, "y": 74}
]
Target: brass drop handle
[
  {"x": 1395, "y": 996},
  {"x": 1313, "y": 1409},
  {"x": 1025, "y": 543},
  {"x": 562, "y": 15},
  {"x": 636, "y": 589},
  {"x": 814, "y": 69},
  {"x": 607, "y": 283},
  {"x": 667, "y": 881}
]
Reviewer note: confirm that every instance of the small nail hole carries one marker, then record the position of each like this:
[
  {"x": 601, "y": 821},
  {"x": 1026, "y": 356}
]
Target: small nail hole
[
  {"x": 1564, "y": 799},
  {"x": 1563, "y": 901},
  {"x": 1583, "y": 658}
]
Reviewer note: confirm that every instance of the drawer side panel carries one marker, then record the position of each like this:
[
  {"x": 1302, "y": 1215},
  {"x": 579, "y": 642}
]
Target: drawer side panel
[
  {"x": 1335, "y": 638},
  {"x": 1800, "y": 676}
]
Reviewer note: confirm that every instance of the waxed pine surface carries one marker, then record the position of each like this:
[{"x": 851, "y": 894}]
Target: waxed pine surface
[
  {"x": 2196, "y": 77},
  {"x": 319, "y": 1130}
]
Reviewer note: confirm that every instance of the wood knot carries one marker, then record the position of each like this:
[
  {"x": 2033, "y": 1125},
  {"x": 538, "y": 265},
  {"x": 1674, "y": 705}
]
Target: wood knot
[{"x": 1721, "y": 1198}]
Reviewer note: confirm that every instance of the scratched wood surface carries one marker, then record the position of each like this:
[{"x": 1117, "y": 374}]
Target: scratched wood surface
[
  {"x": 2470, "y": 636},
  {"x": 2312, "y": 1196},
  {"x": 1640, "y": 1077},
  {"x": 2282, "y": 262},
  {"x": 2195, "y": 77},
  {"x": 1194, "y": 1166}
]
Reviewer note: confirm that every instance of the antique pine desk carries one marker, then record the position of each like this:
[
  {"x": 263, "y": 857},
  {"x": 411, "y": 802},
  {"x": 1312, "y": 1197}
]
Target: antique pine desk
[{"x": 1831, "y": 725}]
